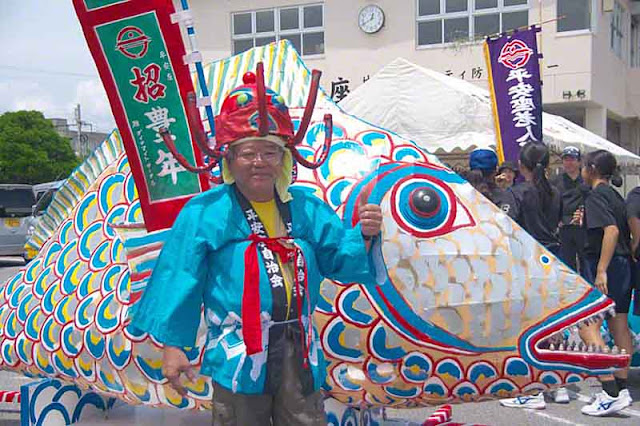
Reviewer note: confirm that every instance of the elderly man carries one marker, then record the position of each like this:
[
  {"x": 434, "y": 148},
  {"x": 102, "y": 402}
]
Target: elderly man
[{"x": 254, "y": 252}]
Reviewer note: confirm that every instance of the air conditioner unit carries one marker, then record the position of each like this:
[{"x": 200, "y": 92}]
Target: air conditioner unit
[{"x": 607, "y": 5}]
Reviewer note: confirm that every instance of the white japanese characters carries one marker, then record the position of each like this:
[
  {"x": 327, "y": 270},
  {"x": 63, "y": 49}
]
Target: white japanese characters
[{"x": 522, "y": 105}]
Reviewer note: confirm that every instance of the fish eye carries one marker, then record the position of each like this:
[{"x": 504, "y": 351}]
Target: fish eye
[
  {"x": 426, "y": 207},
  {"x": 424, "y": 202}
]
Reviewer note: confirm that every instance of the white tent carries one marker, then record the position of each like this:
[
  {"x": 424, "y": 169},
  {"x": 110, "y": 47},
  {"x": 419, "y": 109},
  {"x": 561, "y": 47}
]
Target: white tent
[{"x": 448, "y": 115}]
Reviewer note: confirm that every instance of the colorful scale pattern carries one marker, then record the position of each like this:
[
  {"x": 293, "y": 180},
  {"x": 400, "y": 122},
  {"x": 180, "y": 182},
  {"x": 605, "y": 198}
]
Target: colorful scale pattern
[
  {"x": 76, "y": 185},
  {"x": 64, "y": 314}
]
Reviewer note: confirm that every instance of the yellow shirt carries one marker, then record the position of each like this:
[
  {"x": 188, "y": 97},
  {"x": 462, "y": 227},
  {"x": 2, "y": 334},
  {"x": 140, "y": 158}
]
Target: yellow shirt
[{"x": 270, "y": 217}]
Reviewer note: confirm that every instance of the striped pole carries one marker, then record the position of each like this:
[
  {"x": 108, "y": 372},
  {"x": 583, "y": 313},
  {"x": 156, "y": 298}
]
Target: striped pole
[
  {"x": 460, "y": 424},
  {"x": 195, "y": 57},
  {"x": 10, "y": 396},
  {"x": 440, "y": 416}
]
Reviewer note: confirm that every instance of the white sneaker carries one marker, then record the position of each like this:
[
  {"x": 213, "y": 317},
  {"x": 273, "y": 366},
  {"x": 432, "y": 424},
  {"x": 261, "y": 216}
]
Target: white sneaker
[
  {"x": 624, "y": 393},
  {"x": 605, "y": 404},
  {"x": 528, "y": 401},
  {"x": 562, "y": 396}
]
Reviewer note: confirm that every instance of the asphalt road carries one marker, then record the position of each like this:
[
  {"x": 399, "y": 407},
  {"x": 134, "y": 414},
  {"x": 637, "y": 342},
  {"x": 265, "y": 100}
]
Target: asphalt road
[{"x": 486, "y": 413}]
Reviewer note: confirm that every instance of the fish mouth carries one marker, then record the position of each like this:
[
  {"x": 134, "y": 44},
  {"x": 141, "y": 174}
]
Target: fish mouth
[{"x": 556, "y": 344}]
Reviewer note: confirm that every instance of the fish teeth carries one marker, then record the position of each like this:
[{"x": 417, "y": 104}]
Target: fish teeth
[
  {"x": 623, "y": 351},
  {"x": 561, "y": 347},
  {"x": 607, "y": 350},
  {"x": 552, "y": 347},
  {"x": 615, "y": 350}
]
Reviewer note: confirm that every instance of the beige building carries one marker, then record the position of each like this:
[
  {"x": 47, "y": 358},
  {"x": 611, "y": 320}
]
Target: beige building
[
  {"x": 84, "y": 142},
  {"x": 591, "y": 48}
]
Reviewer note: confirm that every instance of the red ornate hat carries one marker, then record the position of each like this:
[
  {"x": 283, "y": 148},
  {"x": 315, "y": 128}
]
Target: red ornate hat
[
  {"x": 253, "y": 110},
  {"x": 240, "y": 114}
]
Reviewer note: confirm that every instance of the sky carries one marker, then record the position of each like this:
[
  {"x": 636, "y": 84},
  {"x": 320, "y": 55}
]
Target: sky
[{"x": 45, "y": 63}]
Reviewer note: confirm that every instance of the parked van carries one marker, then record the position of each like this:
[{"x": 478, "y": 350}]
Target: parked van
[
  {"x": 16, "y": 208},
  {"x": 44, "y": 193}
]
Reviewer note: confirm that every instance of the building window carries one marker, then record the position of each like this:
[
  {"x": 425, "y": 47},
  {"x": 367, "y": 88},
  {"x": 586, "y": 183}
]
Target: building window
[
  {"x": 635, "y": 43},
  {"x": 577, "y": 15},
  {"x": 303, "y": 26},
  {"x": 447, "y": 21},
  {"x": 617, "y": 29}
]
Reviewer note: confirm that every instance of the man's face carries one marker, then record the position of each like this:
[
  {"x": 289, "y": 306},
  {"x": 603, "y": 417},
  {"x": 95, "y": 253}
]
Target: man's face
[
  {"x": 255, "y": 165},
  {"x": 570, "y": 164},
  {"x": 510, "y": 175}
]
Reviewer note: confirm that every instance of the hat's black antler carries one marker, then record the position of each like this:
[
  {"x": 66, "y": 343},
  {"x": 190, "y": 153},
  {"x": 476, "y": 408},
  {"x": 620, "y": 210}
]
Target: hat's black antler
[{"x": 201, "y": 140}]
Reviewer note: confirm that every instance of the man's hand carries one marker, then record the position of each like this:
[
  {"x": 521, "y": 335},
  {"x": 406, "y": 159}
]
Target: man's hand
[
  {"x": 502, "y": 181},
  {"x": 601, "y": 282},
  {"x": 174, "y": 363},
  {"x": 578, "y": 217},
  {"x": 370, "y": 219},
  {"x": 370, "y": 215}
]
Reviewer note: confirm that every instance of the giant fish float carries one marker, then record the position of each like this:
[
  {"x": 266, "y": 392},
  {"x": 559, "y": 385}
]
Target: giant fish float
[{"x": 466, "y": 305}]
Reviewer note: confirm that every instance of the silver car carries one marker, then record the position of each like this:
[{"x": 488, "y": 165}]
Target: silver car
[{"x": 16, "y": 207}]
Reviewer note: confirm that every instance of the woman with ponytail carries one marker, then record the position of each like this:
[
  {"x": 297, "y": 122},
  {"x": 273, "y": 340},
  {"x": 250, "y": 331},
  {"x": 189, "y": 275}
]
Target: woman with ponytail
[
  {"x": 537, "y": 207},
  {"x": 608, "y": 265}
]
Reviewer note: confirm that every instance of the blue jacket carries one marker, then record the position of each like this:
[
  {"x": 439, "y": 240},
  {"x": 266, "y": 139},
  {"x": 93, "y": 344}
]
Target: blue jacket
[{"x": 203, "y": 262}]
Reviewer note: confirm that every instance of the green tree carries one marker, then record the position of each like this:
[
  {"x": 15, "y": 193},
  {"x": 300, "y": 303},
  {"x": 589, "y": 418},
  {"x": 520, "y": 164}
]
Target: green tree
[{"x": 31, "y": 151}]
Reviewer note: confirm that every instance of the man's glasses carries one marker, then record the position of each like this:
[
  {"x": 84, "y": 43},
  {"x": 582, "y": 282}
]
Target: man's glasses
[{"x": 270, "y": 157}]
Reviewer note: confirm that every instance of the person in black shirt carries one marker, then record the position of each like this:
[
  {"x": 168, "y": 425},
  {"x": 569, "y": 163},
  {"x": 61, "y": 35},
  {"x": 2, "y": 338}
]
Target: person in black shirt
[
  {"x": 572, "y": 191},
  {"x": 633, "y": 218},
  {"x": 537, "y": 205},
  {"x": 607, "y": 255},
  {"x": 482, "y": 176}
]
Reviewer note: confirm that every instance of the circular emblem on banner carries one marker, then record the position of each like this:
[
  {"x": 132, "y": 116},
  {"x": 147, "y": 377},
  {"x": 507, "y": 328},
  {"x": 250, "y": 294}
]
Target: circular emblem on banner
[
  {"x": 515, "y": 54},
  {"x": 132, "y": 42}
]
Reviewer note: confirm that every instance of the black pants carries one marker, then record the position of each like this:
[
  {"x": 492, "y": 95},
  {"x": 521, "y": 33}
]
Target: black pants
[
  {"x": 572, "y": 240},
  {"x": 288, "y": 407},
  {"x": 618, "y": 280}
]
